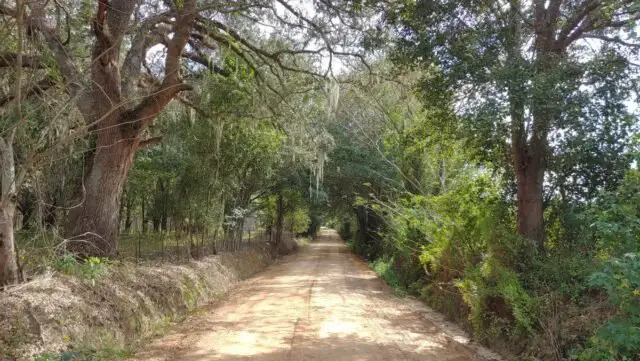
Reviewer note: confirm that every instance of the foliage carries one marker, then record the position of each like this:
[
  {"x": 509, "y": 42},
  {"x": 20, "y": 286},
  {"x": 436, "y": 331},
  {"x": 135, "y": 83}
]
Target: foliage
[
  {"x": 385, "y": 269},
  {"x": 615, "y": 219},
  {"x": 298, "y": 221},
  {"x": 496, "y": 299},
  {"x": 66, "y": 264},
  {"x": 345, "y": 229},
  {"x": 89, "y": 270},
  {"x": 426, "y": 196},
  {"x": 618, "y": 339},
  {"x": 417, "y": 158},
  {"x": 103, "y": 354}
]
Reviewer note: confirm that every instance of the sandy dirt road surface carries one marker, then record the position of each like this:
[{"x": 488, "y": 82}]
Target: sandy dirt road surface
[{"x": 321, "y": 304}]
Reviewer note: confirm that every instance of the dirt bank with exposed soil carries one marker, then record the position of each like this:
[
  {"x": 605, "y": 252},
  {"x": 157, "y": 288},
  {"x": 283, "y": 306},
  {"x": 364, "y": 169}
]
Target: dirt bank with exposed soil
[{"x": 130, "y": 302}]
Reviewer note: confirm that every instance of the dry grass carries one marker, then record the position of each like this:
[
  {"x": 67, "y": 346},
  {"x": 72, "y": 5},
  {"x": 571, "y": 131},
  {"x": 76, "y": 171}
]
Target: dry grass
[{"x": 55, "y": 312}]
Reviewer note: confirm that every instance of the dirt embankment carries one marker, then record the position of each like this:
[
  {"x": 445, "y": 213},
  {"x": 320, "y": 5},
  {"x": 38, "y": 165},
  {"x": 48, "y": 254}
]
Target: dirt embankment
[{"x": 128, "y": 303}]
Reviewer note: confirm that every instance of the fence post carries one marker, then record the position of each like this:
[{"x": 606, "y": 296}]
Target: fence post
[{"x": 138, "y": 250}]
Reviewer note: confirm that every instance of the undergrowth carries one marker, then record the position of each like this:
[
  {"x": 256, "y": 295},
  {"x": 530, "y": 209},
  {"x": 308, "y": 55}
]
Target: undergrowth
[
  {"x": 89, "y": 270},
  {"x": 576, "y": 299},
  {"x": 384, "y": 269}
]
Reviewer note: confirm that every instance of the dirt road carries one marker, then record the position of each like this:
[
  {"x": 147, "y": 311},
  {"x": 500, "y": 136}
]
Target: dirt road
[{"x": 322, "y": 304}]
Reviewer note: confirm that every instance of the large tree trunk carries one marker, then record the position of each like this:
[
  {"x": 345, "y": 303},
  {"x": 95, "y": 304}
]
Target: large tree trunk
[
  {"x": 527, "y": 154},
  {"x": 529, "y": 179},
  {"x": 93, "y": 226},
  {"x": 8, "y": 262},
  {"x": 109, "y": 110}
]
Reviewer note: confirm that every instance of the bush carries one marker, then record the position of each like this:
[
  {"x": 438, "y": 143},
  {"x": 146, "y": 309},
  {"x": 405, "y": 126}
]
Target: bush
[
  {"x": 459, "y": 249},
  {"x": 385, "y": 269},
  {"x": 611, "y": 225},
  {"x": 461, "y": 244},
  {"x": 619, "y": 339},
  {"x": 89, "y": 270},
  {"x": 298, "y": 220},
  {"x": 346, "y": 231},
  {"x": 499, "y": 304}
]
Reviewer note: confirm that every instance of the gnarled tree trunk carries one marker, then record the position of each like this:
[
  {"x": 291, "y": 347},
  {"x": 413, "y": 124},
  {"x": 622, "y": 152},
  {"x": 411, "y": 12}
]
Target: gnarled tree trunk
[
  {"x": 93, "y": 226},
  {"x": 111, "y": 114}
]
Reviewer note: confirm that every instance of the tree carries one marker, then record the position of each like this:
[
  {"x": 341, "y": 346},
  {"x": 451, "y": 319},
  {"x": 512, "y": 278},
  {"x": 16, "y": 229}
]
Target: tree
[
  {"x": 118, "y": 114},
  {"x": 520, "y": 63},
  {"x": 8, "y": 198},
  {"x": 27, "y": 130}
]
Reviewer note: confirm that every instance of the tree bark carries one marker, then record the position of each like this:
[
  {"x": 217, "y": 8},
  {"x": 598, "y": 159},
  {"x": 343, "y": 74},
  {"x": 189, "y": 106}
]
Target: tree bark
[
  {"x": 8, "y": 261},
  {"x": 530, "y": 209},
  {"x": 93, "y": 226},
  {"x": 545, "y": 103}
]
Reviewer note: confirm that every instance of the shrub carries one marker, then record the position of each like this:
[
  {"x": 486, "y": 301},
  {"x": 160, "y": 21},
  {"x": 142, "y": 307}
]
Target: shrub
[
  {"x": 346, "y": 231},
  {"x": 497, "y": 300},
  {"x": 89, "y": 270},
  {"x": 384, "y": 268},
  {"x": 619, "y": 339},
  {"x": 298, "y": 220}
]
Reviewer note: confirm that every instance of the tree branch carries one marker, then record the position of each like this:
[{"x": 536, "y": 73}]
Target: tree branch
[
  {"x": 5, "y": 10},
  {"x": 150, "y": 142},
  {"x": 576, "y": 20},
  {"x": 10, "y": 59},
  {"x": 141, "y": 42},
  {"x": 66, "y": 66},
  {"x": 609, "y": 39},
  {"x": 172, "y": 84},
  {"x": 118, "y": 17},
  {"x": 204, "y": 61}
]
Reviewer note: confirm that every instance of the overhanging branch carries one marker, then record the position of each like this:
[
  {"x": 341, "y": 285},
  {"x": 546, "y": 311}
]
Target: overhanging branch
[{"x": 28, "y": 61}]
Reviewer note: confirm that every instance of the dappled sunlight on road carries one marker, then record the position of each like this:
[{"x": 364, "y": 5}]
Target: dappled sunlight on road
[{"x": 321, "y": 304}]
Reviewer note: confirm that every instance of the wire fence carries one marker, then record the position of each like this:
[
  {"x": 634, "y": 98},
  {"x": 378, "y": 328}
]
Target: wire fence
[
  {"x": 174, "y": 246},
  {"x": 39, "y": 251}
]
